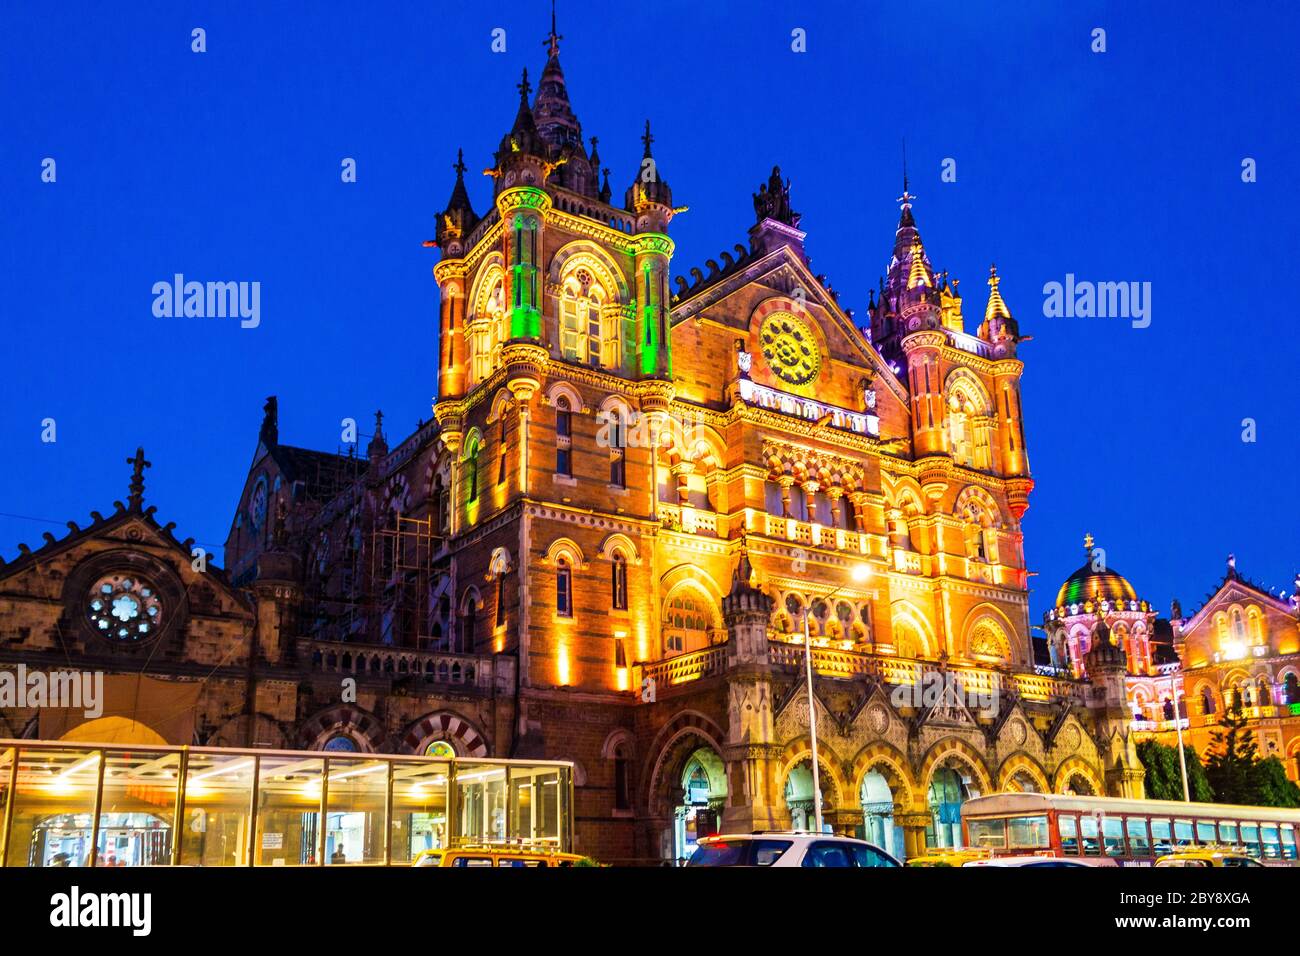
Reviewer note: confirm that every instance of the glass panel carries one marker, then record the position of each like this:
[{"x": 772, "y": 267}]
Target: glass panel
[
  {"x": 1028, "y": 832},
  {"x": 481, "y": 801},
  {"x": 1138, "y": 844},
  {"x": 1250, "y": 837},
  {"x": 1288, "y": 842},
  {"x": 535, "y": 806},
  {"x": 1205, "y": 831},
  {"x": 218, "y": 795},
  {"x": 1069, "y": 830},
  {"x": 6, "y": 767},
  {"x": 1091, "y": 841},
  {"x": 1162, "y": 837},
  {"x": 419, "y": 810},
  {"x": 138, "y": 808},
  {"x": 355, "y": 819},
  {"x": 54, "y": 806},
  {"x": 989, "y": 833},
  {"x": 1228, "y": 831},
  {"x": 288, "y": 810},
  {"x": 1271, "y": 848},
  {"x": 1112, "y": 829}
]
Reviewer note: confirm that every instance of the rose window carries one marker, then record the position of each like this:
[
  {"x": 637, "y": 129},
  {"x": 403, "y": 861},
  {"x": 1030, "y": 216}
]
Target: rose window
[{"x": 122, "y": 607}]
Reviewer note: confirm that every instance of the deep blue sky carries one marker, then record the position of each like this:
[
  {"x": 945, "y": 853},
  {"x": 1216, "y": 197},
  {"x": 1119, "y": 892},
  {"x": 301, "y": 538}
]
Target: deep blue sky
[{"x": 1122, "y": 166}]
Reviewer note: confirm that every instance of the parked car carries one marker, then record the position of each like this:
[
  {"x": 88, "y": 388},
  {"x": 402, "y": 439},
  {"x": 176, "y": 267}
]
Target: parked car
[
  {"x": 789, "y": 849},
  {"x": 1208, "y": 856}
]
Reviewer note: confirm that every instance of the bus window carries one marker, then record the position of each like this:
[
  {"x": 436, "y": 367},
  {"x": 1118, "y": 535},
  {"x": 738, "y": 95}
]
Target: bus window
[
  {"x": 1112, "y": 829},
  {"x": 1138, "y": 844},
  {"x": 1161, "y": 837},
  {"x": 1228, "y": 831},
  {"x": 987, "y": 833},
  {"x": 1288, "y": 842},
  {"x": 1091, "y": 842},
  {"x": 1068, "y": 826},
  {"x": 1205, "y": 832},
  {"x": 1183, "y": 832},
  {"x": 1028, "y": 833},
  {"x": 1250, "y": 837},
  {"x": 1271, "y": 849}
]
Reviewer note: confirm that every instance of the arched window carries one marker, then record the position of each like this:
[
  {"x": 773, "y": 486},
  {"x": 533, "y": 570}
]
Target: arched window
[
  {"x": 686, "y": 623},
  {"x": 622, "y": 790},
  {"x": 580, "y": 320},
  {"x": 501, "y": 451},
  {"x": 1207, "y": 702},
  {"x": 501, "y": 599},
  {"x": 468, "y": 621},
  {"x": 563, "y": 437},
  {"x": 1238, "y": 625},
  {"x": 1256, "y": 626},
  {"x": 471, "y": 471},
  {"x": 1291, "y": 688},
  {"x": 960, "y": 443},
  {"x": 617, "y": 447},
  {"x": 618, "y": 582},
  {"x": 563, "y": 588},
  {"x": 341, "y": 743}
]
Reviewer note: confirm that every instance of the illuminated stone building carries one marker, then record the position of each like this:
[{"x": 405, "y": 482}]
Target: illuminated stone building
[
  {"x": 1239, "y": 653},
  {"x": 640, "y": 485}
]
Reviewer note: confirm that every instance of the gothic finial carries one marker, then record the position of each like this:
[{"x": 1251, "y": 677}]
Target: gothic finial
[
  {"x": 647, "y": 139},
  {"x": 524, "y": 87},
  {"x": 905, "y": 165},
  {"x": 138, "y": 464},
  {"x": 552, "y": 41},
  {"x": 459, "y": 165},
  {"x": 1087, "y": 543}
]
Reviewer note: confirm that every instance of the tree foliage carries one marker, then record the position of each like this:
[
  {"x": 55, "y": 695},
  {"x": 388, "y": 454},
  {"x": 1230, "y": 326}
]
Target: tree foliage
[
  {"x": 1237, "y": 773},
  {"x": 1164, "y": 779}
]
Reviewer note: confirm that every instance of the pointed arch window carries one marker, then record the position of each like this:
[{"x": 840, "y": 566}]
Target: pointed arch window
[
  {"x": 618, "y": 583},
  {"x": 563, "y": 437},
  {"x": 501, "y": 453},
  {"x": 468, "y": 622},
  {"x": 501, "y": 599},
  {"x": 471, "y": 471},
  {"x": 563, "y": 588}
]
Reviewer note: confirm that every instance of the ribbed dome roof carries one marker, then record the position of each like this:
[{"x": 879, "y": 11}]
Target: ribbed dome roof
[{"x": 1088, "y": 584}]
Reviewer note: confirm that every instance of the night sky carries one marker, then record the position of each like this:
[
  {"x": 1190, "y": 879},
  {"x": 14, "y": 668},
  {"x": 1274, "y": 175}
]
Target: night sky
[{"x": 225, "y": 166}]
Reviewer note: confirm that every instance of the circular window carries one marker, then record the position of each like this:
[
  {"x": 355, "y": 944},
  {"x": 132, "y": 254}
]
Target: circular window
[
  {"x": 257, "y": 505},
  {"x": 790, "y": 348},
  {"x": 341, "y": 743},
  {"x": 440, "y": 748},
  {"x": 124, "y": 607}
]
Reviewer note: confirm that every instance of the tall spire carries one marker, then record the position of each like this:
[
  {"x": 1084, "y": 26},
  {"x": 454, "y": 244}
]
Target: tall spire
[
  {"x": 556, "y": 121},
  {"x": 647, "y": 139}
]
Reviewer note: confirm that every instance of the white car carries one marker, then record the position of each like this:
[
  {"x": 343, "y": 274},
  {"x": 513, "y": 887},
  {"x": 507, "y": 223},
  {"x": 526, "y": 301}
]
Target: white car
[
  {"x": 793, "y": 848},
  {"x": 1038, "y": 862}
]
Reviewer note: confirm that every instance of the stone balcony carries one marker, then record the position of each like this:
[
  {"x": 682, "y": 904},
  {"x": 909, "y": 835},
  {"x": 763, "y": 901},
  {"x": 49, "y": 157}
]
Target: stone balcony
[
  {"x": 842, "y": 664},
  {"x": 482, "y": 674}
]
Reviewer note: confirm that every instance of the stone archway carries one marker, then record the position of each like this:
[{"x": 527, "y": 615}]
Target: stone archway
[
  {"x": 1020, "y": 773},
  {"x": 1076, "y": 776},
  {"x": 687, "y": 785},
  {"x": 885, "y": 796}
]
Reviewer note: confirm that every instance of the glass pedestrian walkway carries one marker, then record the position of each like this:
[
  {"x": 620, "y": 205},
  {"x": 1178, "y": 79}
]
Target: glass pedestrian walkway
[{"x": 208, "y": 806}]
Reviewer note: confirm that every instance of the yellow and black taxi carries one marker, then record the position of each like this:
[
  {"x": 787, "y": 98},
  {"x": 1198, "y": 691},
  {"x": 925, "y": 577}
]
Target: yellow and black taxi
[
  {"x": 950, "y": 856},
  {"x": 1230, "y": 856},
  {"x": 499, "y": 856}
]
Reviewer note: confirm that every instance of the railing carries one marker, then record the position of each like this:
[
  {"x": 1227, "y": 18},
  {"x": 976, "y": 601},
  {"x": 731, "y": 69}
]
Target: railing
[
  {"x": 467, "y": 670},
  {"x": 814, "y": 535},
  {"x": 684, "y": 668},
  {"x": 864, "y": 423},
  {"x": 689, "y": 520}
]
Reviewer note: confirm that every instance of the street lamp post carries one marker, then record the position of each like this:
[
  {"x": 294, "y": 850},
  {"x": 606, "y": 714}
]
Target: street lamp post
[
  {"x": 859, "y": 573},
  {"x": 1178, "y": 726}
]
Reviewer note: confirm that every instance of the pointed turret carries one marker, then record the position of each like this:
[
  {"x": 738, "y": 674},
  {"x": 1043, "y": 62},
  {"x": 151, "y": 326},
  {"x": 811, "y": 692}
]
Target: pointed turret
[
  {"x": 523, "y": 138},
  {"x": 459, "y": 219},
  {"x": 909, "y": 262},
  {"x": 649, "y": 196},
  {"x": 556, "y": 122}
]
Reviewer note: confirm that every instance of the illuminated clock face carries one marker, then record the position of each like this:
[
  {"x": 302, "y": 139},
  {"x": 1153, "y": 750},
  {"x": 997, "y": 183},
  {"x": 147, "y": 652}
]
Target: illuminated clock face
[{"x": 790, "y": 348}]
